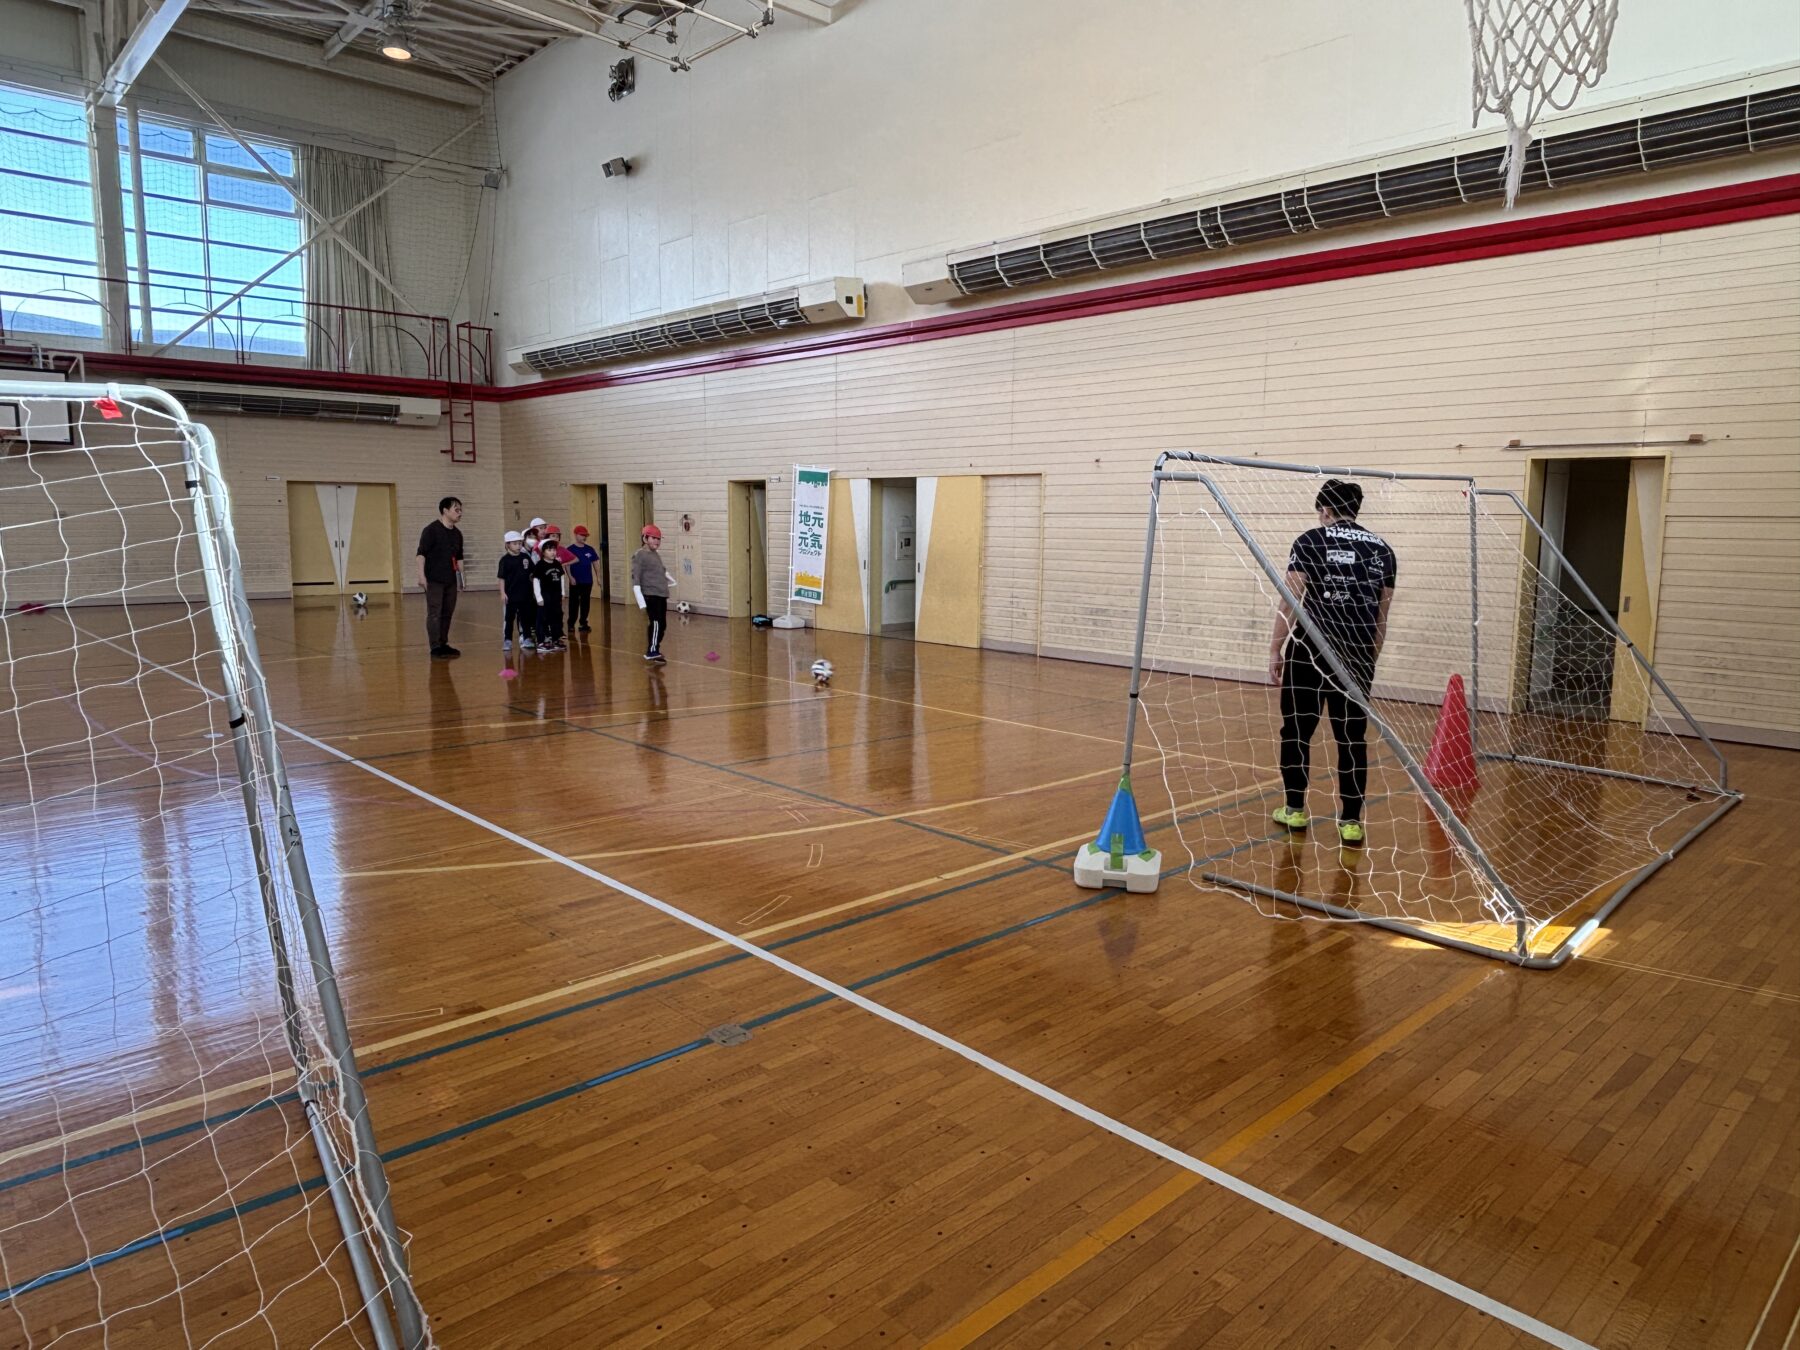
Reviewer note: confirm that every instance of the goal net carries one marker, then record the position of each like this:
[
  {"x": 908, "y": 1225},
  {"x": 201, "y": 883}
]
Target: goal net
[
  {"x": 186, "y": 1155},
  {"x": 1525, "y": 769}
]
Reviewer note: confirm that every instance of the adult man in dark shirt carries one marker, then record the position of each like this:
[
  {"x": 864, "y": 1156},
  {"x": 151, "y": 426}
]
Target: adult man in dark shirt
[
  {"x": 1343, "y": 576},
  {"x": 440, "y": 560}
]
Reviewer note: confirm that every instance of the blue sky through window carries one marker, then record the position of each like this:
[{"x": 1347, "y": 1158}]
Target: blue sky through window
[
  {"x": 215, "y": 222},
  {"x": 48, "y": 268}
]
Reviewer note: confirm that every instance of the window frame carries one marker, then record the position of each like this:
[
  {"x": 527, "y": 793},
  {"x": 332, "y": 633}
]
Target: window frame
[{"x": 218, "y": 330}]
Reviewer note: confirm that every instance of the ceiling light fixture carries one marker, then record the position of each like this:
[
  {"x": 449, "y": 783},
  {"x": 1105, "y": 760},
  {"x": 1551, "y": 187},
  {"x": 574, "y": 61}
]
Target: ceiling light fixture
[{"x": 396, "y": 42}]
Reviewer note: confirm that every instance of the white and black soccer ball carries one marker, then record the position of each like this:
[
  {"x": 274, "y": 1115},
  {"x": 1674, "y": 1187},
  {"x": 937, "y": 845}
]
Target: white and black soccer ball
[
  {"x": 360, "y": 599},
  {"x": 683, "y": 608},
  {"x": 821, "y": 671}
]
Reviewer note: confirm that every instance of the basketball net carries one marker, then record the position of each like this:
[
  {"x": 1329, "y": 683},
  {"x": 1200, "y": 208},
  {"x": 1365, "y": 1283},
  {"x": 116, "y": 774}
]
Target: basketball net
[{"x": 1533, "y": 55}]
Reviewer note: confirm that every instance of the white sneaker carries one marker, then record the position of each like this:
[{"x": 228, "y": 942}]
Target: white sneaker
[
  {"x": 506, "y": 644},
  {"x": 527, "y": 645}
]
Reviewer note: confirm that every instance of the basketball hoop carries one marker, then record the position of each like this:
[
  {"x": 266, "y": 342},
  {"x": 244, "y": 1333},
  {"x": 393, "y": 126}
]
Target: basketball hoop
[{"x": 1533, "y": 55}]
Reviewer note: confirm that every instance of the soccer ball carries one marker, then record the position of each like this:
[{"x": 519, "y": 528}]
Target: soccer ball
[
  {"x": 683, "y": 608},
  {"x": 360, "y": 599},
  {"x": 821, "y": 671}
]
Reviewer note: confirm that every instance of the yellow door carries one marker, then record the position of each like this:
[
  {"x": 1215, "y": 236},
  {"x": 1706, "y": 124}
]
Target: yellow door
[
  {"x": 312, "y": 544},
  {"x": 584, "y": 509},
  {"x": 948, "y": 552},
  {"x": 1638, "y": 584},
  {"x": 639, "y": 512},
  {"x": 759, "y": 548},
  {"x": 845, "y": 608},
  {"x": 370, "y": 561},
  {"x": 341, "y": 538},
  {"x": 737, "y": 533},
  {"x": 873, "y": 554}
]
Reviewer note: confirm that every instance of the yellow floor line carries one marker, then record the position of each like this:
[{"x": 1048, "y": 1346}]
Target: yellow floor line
[
  {"x": 1065, "y": 1263},
  {"x": 520, "y": 721},
  {"x": 739, "y": 838},
  {"x": 214, "y": 1096}
]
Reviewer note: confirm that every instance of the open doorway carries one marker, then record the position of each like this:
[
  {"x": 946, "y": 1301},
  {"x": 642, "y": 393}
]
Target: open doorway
[
  {"x": 587, "y": 506},
  {"x": 749, "y": 544},
  {"x": 893, "y": 571},
  {"x": 1605, "y": 516}
]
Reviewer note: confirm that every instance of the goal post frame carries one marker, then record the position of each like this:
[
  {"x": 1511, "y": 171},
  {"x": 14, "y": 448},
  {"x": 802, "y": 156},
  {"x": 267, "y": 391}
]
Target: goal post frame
[
  {"x": 1644, "y": 663},
  {"x": 245, "y": 699},
  {"x": 1520, "y": 954}
]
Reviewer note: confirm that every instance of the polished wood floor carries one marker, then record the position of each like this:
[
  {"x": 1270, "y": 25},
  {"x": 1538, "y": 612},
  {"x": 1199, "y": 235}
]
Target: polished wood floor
[{"x": 1610, "y": 1149}]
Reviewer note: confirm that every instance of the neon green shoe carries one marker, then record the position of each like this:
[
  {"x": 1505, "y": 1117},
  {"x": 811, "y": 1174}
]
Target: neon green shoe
[
  {"x": 1291, "y": 818},
  {"x": 1350, "y": 833}
]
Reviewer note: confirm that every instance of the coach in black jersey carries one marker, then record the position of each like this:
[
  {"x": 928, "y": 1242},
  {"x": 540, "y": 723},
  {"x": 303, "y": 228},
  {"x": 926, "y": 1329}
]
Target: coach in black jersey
[{"x": 1343, "y": 577}]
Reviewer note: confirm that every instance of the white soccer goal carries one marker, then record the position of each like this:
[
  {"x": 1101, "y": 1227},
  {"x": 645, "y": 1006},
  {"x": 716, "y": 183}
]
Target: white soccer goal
[
  {"x": 186, "y": 1153},
  {"x": 1528, "y": 767}
]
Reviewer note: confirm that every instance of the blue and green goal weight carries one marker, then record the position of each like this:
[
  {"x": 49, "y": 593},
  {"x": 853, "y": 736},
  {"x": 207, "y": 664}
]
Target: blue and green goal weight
[{"x": 1119, "y": 854}]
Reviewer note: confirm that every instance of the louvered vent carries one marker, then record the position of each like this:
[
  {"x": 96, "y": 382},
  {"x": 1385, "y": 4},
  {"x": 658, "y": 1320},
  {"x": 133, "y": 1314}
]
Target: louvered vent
[
  {"x": 312, "y": 405},
  {"x": 1737, "y": 126},
  {"x": 201, "y": 399},
  {"x": 832, "y": 301},
  {"x": 770, "y": 317}
]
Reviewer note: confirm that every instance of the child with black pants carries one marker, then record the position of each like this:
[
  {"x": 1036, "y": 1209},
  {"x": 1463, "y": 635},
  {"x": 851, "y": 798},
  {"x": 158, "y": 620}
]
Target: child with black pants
[
  {"x": 650, "y": 583},
  {"x": 583, "y": 556},
  {"x": 515, "y": 585},
  {"x": 547, "y": 591}
]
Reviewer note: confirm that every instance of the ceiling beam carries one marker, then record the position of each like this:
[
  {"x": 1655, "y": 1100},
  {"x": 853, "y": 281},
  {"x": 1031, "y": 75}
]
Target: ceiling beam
[
  {"x": 819, "y": 11},
  {"x": 572, "y": 18},
  {"x": 445, "y": 64},
  {"x": 138, "y": 51},
  {"x": 365, "y": 18},
  {"x": 265, "y": 42}
]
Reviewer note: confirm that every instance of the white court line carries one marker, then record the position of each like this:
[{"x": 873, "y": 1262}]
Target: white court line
[
  {"x": 1431, "y": 1279},
  {"x": 1769, "y": 1306}
]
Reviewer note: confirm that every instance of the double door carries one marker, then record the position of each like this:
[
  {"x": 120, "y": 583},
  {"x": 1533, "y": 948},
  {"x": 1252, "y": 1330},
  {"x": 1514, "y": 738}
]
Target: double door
[{"x": 341, "y": 537}]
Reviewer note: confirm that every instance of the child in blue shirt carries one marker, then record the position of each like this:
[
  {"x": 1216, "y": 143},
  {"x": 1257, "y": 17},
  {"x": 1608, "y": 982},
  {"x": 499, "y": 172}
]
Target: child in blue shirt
[{"x": 582, "y": 557}]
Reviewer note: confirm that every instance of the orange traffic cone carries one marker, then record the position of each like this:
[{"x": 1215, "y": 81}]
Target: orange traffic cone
[{"x": 1450, "y": 765}]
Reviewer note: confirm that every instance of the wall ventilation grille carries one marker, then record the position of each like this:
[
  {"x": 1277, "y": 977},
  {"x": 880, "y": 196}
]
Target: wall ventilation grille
[{"x": 1737, "y": 126}]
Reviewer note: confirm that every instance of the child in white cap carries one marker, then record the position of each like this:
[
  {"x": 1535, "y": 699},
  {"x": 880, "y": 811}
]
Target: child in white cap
[{"x": 515, "y": 585}]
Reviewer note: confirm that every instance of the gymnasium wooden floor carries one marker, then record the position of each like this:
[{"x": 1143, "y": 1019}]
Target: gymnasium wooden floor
[{"x": 1610, "y": 1149}]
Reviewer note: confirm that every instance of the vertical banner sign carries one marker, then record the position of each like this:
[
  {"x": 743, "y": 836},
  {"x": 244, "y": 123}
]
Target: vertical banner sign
[{"x": 812, "y": 497}]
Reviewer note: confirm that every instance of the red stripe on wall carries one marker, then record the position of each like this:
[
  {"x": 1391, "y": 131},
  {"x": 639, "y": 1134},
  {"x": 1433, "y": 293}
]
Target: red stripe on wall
[
  {"x": 1628, "y": 220},
  {"x": 1754, "y": 200},
  {"x": 169, "y": 369}
]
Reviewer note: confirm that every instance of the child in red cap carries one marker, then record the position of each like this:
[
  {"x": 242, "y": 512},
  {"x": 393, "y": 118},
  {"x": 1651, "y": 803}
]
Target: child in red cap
[
  {"x": 582, "y": 557},
  {"x": 650, "y": 584}
]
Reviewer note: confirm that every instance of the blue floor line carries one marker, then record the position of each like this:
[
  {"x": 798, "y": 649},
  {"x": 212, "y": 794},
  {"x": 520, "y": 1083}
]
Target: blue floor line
[
  {"x": 172, "y": 1234},
  {"x": 586, "y": 1005}
]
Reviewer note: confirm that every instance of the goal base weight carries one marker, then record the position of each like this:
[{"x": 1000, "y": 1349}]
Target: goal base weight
[
  {"x": 1096, "y": 868},
  {"x": 1120, "y": 856}
]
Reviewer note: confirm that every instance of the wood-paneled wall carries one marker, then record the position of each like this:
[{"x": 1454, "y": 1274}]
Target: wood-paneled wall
[
  {"x": 81, "y": 527},
  {"x": 1645, "y": 339}
]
